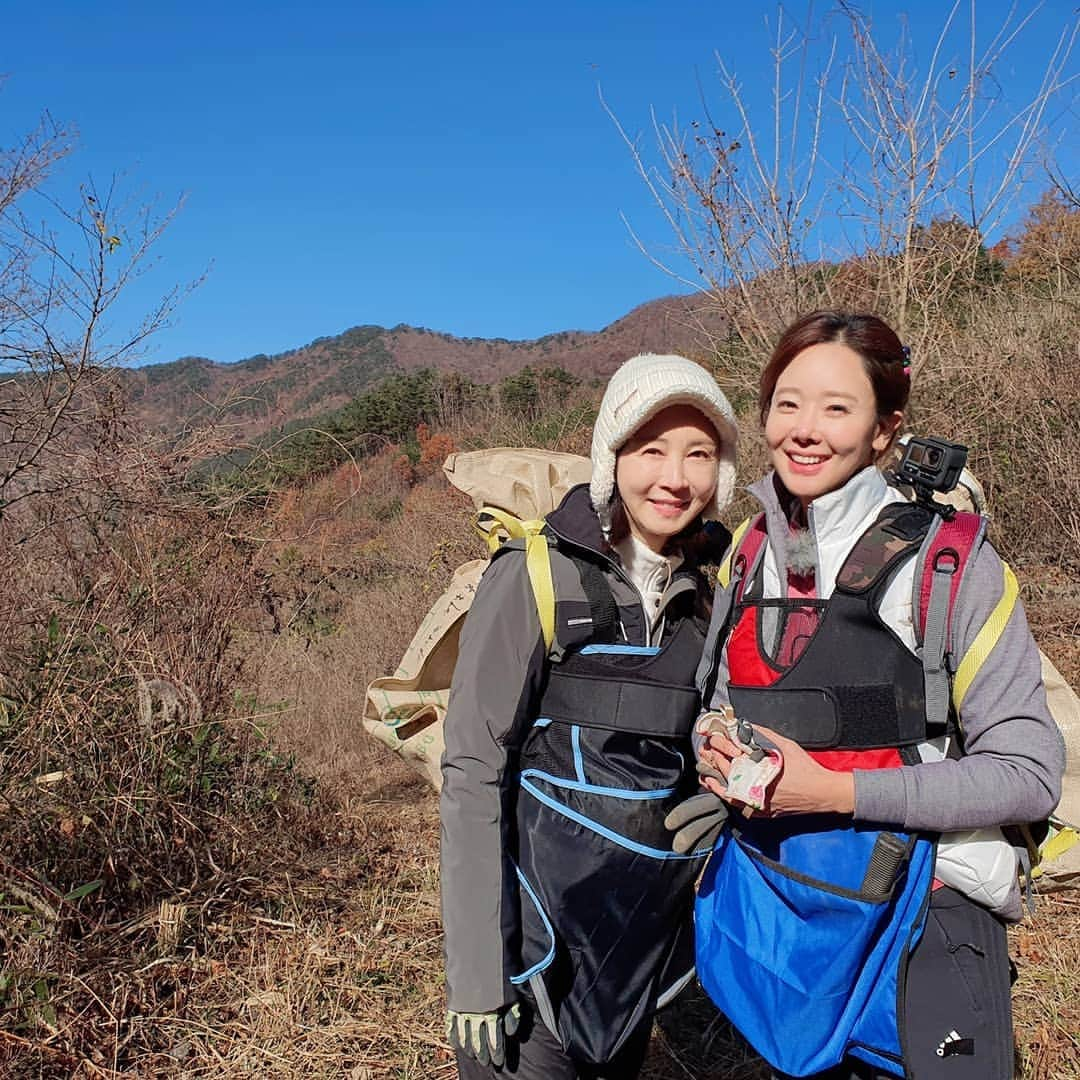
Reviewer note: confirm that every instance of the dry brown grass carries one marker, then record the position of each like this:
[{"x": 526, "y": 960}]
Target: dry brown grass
[
  {"x": 396, "y": 1013},
  {"x": 318, "y": 951},
  {"x": 1046, "y": 997},
  {"x": 328, "y": 964},
  {"x": 323, "y": 963},
  {"x": 350, "y": 589}
]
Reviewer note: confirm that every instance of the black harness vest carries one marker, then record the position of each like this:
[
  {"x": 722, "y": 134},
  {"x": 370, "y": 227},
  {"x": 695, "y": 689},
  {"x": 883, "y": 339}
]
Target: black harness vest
[
  {"x": 849, "y": 682},
  {"x": 606, "y": 905}
]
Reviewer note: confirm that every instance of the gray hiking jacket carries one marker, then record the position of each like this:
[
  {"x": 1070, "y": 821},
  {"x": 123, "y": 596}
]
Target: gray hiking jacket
[
  {"x": 1014, "y": 755},
  {"x": 497, "y": 679}
]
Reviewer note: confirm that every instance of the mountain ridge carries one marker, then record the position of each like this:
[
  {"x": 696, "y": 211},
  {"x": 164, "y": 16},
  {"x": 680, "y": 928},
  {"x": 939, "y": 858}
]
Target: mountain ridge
[{"x": 264, "y": 391}]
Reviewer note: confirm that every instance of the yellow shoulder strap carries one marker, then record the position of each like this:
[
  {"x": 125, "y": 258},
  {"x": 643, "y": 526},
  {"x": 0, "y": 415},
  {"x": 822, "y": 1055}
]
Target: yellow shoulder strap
[
  {"x": 723, "y": 575},
  {"x": 986, "y": 639},
  {"x": 1065, "y": 836},
  {"x": 495, "y": 526},
  {"x": 1055, "y": 846}
]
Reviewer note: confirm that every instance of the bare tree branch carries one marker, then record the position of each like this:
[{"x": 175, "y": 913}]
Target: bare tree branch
[{"x": 62, "y": 269}]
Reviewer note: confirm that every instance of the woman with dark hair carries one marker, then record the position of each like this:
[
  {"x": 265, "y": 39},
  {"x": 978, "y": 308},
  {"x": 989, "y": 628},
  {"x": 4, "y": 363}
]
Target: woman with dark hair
[
  {"x": 568, "y": 918},
  {"x": 851, "y": 920}
]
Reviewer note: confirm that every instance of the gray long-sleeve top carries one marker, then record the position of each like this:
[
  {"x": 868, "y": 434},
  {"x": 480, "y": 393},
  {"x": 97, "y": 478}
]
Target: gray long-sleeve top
[
  {"x": 499, "y": 667},
  {"x": 1014, "y": 755}
]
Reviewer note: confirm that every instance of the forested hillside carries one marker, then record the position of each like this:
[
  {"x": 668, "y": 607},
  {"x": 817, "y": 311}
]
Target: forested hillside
[{"x": 263, "y": 393}]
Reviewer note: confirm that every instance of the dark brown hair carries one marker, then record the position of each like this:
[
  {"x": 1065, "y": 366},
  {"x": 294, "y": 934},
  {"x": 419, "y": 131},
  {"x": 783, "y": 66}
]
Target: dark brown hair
[{"x": 883, "y": 357}]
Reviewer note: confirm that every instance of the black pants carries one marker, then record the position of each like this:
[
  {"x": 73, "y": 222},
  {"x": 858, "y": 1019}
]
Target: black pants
[
  {"x": 958, "y": 1000},
  {"x": 535, "y": 1054}
]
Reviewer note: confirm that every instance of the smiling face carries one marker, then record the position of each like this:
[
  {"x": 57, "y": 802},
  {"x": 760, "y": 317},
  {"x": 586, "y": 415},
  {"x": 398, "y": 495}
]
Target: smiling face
[
  {"x": 666, "y": 474},
  {"x": 823, "y": 426}
]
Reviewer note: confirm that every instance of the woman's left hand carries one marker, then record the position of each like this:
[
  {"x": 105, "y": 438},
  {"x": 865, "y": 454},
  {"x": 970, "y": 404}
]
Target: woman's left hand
[{"x": 803, "y": 787}]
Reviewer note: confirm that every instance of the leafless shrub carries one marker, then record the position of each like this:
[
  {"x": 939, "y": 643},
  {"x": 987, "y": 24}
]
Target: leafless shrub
[
  {"x": 864, "y": 140},
  {"x": 870, "y": 185},
  {"x": 134, "y": 779},
  {"x": 62, "y": 270}
]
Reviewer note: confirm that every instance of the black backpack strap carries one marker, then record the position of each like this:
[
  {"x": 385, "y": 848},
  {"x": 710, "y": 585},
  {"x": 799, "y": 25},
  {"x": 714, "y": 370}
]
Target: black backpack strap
[{"x": 605, "y": 612}]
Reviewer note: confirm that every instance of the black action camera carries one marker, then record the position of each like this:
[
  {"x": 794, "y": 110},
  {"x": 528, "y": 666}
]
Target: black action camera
[{"x": 930, "y": 465}]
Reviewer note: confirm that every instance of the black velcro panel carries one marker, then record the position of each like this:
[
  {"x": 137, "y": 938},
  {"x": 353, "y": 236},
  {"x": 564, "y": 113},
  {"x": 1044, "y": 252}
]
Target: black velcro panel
[
  {"x": 870, "y": 719},
  {"x": 839, "y": 717},
  {"x": 646, "y": 708},
  {"x": 605, "y": 612},
  {"x": 909, "y": 522},
  {"x": 809, "y": 717}
]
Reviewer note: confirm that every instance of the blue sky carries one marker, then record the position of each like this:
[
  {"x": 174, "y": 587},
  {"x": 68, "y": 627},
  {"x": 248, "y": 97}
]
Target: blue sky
[{"x": 445, "y": 165}]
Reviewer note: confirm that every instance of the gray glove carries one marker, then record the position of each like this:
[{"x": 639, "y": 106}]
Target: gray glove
[
  {"x": 482, "y": 1035},
  {"x": 696, "y": 822}
]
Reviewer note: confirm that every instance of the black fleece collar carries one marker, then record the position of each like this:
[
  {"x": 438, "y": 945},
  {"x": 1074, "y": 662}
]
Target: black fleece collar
[{"x": 575, "y": 520}]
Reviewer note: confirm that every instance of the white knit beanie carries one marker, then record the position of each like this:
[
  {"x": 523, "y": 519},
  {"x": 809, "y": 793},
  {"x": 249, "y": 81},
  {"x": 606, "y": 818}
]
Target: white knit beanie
[{"x": 640, "y": 388}]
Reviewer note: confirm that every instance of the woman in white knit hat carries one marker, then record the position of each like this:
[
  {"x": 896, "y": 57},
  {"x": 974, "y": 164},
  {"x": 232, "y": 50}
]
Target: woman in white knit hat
[{"x": 567, "y": 915}]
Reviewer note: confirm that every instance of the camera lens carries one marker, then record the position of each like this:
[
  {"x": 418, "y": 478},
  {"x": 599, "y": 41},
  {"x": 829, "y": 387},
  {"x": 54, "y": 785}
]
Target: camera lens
[{"x": 933, "y": 457}]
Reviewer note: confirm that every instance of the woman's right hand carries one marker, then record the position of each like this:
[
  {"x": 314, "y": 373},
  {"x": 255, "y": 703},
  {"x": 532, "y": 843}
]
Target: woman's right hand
[{"x": 483, "y": 1035}]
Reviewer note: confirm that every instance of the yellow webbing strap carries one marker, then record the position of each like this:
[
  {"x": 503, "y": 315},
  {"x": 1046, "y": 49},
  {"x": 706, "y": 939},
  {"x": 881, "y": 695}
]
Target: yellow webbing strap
[
  {"x": 723, "y": 575},
  {"x": 986, "y": 639},
  {"x": 490, "y": 523},
  {"x": 1056, "y": 846},
  {"x": 1065, "y": 836}
]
